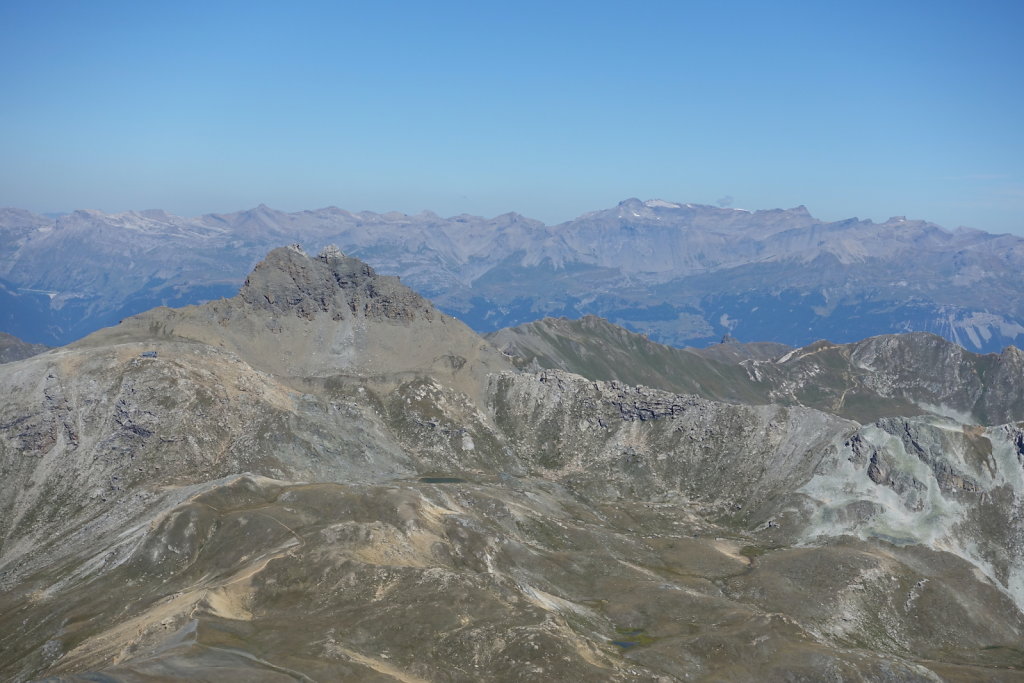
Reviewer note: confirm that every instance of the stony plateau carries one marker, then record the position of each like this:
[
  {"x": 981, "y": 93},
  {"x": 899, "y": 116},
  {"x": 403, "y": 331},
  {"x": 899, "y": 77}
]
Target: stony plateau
[{"x": 326, "y": 478}]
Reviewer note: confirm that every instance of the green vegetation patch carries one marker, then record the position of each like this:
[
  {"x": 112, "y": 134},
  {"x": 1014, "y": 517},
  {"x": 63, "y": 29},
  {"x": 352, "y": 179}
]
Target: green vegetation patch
[{"x": 754, "y": 551}]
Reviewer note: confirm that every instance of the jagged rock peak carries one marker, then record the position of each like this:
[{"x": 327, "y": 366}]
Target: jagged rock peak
[
  {"x": 289, "y": 282},
  {"x": 330, "y": 253}
]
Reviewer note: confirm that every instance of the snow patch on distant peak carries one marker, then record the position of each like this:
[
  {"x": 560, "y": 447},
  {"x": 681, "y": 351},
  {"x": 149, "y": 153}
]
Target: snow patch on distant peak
[{"x": 661, "y": 203}]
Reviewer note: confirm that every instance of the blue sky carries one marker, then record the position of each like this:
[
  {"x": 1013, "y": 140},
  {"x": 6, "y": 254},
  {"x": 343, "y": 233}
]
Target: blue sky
[{"x": 866, "y": 109}]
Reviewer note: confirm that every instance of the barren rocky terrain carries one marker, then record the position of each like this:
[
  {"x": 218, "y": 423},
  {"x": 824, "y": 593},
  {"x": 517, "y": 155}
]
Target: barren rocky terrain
[{"x": 326, "y": 478}]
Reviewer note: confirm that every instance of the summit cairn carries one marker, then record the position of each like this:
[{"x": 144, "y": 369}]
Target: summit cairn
[{"x": 330, "y": 253}]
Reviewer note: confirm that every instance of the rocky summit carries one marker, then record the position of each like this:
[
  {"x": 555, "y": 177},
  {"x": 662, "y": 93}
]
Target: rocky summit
[{"x": 325, "y": 478}]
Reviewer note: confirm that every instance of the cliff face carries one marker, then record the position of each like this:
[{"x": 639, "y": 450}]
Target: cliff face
[
  {"x": 324, "y": 477},
  {"x": 287, "y": 283}
]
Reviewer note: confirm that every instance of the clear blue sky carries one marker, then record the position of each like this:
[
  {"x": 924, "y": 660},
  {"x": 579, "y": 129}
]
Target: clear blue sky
[{"x": 550, "y": 109}]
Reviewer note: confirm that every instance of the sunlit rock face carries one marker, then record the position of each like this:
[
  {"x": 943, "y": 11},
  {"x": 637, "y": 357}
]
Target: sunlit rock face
[{"x": 325, "y": 478}]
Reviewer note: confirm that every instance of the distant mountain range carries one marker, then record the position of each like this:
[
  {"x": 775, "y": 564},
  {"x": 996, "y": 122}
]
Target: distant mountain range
[
  {"x": 683, "y": 274},
  {"x": 12, "y": 348}
]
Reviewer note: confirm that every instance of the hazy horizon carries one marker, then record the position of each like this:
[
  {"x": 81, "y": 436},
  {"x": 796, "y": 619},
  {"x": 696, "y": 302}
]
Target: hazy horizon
[
  {"x": 56, "y": 214},
  {"x": 869, "y": 110}
]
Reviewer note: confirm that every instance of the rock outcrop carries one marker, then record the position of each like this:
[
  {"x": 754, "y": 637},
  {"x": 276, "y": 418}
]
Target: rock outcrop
[
  {"x": 288, "y": 283},
  {"x": 301, "y": 316}
]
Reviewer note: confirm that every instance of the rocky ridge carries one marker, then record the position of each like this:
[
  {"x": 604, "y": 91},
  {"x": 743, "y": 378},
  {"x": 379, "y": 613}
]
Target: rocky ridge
[
  {"x": 888, "y": 375},
  {"x": 12, "y": 348}
]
